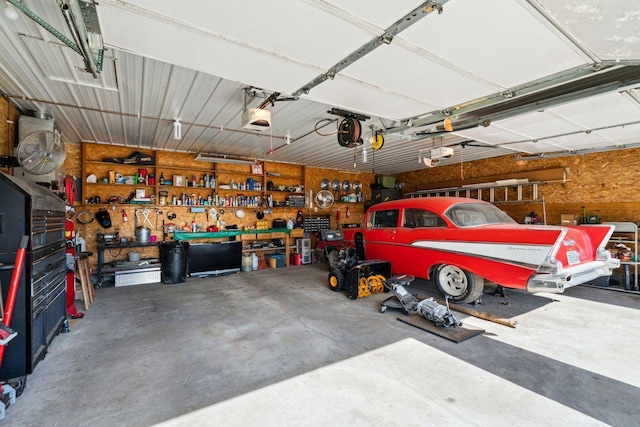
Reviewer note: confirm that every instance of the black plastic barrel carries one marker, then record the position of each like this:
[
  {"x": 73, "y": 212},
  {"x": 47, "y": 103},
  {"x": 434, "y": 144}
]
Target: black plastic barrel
[{"x": 174, "y": 257}]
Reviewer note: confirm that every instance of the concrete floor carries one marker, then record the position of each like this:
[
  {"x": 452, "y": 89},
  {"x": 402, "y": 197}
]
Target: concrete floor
[{"x": 277, "y": 347}]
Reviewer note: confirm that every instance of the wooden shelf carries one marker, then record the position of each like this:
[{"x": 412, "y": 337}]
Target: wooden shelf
[
  {"x": 285, "y": 176},
  {"x": 118, "y": 185},
  {"x": 163, "y": 168},
  {"x": 182, "y": 187},
  {"x": 138, "y": 166},
  {"x": 274, "y": 249},
  {"x": 224, "y": 172}
]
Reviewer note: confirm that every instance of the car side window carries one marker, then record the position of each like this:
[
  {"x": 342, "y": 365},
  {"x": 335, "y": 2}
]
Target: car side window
[
  {"x": 388, "y": 218},
  {"x": 422, "y": 218}
]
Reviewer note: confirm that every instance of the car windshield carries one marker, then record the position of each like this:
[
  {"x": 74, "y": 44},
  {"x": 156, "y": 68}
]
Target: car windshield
[{"x": 469, "y": 214}]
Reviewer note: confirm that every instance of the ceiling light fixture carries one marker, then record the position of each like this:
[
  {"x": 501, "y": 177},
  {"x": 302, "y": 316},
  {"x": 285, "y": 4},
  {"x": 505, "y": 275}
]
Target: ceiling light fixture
[
  {"x": 177, "y": 129},
  {"x": 11, "y": 12},
  {"x": 224, "y": 159},
  {"x": 430, "y": 163}
]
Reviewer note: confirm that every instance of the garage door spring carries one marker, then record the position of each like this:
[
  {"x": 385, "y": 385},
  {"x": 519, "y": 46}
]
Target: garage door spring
[{"x": 370, "y": 285}]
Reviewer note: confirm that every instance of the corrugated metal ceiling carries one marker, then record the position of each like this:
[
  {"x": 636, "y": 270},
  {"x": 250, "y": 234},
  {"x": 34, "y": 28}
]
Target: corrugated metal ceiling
[{"x": 191, "y": 60}]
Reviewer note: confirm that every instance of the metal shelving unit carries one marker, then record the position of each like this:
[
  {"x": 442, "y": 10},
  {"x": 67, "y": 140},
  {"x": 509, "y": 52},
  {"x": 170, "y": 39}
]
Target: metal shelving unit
[{"x": 627, "y": 228}]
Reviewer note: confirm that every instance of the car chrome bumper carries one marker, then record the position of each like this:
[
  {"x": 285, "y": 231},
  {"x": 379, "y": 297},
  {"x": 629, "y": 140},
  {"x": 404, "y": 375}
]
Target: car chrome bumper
[{"x": 572, "y": 276}]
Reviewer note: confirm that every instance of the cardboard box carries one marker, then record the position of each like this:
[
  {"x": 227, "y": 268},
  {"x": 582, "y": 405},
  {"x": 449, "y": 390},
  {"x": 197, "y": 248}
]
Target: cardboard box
[{"x": 568, "y": 219}]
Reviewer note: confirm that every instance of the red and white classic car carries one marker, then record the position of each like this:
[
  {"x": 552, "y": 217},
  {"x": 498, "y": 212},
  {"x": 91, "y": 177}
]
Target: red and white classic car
[{"x": 461, "y": 242}]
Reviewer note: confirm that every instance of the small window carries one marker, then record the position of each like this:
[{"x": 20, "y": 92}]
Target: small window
[
  {"x": 422, "y": 218},
  {"x": 385, "y": 218}
]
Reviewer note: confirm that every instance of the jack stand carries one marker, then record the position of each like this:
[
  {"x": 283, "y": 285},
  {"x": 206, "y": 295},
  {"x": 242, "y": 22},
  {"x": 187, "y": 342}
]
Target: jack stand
[
  {"x": 477, "y": 302},
  {"x": 499, "y": 292}
]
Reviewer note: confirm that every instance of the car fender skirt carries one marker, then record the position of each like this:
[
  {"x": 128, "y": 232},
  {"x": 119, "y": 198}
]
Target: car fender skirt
[{"x": 558, "y": 282}]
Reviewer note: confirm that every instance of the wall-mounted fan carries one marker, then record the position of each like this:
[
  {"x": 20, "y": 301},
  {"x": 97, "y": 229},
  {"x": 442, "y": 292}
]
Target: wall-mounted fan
[
  {"x": 324, "y": 199},
  {"x": 41, "y": 152}
]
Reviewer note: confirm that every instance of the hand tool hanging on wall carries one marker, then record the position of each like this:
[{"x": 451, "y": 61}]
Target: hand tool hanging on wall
[
  {"x": 158, "y": 213},
  {"x": 142, "y": 216}
]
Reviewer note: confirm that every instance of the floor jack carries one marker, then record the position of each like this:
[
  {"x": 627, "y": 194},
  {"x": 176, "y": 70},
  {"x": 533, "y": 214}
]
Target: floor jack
[{"x": 427, "y": 308}]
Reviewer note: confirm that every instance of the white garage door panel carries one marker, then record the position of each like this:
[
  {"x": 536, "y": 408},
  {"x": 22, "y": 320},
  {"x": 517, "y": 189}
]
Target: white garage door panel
[
  {"x": 609, "y": 28},
  {"x": 381, "y": 13},
  {"x": 421, "y": 77},
  {"x": 602, "y": 110},
  {"x": 623, "y": 135},
  {"x": 580, "y": 141},
  {"x": 476, "y": 32},
  {"x": 280, "y": 26},
  {"x": 350, "y": 94},
  {"x": 539, "y": 125},
  {"x": 493, "y": 135},
  {"x": 223, "y": 59}
]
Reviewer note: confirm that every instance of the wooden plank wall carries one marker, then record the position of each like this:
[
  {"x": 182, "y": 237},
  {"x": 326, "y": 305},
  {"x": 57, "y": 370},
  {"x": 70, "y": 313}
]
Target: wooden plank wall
[
  {"x": 8, "y": 129},
  {"x": 606, "y": 184}
]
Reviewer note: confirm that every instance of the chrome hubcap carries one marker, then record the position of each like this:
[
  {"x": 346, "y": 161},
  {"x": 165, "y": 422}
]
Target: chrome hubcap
[{"x": 452, "y": 280}]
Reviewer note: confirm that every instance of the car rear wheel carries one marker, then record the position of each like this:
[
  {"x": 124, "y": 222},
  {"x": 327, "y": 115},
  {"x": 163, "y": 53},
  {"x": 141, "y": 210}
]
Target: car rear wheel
[
  {"x": 461, "y": 286},
  {"x": 336, "y": 281}
]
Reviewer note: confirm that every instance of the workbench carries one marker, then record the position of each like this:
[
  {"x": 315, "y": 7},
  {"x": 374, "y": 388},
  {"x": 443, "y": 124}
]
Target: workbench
[
  {"x": 243, "y": 235},
  {"x": 102, "y": 248}
]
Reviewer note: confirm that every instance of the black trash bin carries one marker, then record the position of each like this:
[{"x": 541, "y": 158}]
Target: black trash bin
[{"x": 174, "y": 257}]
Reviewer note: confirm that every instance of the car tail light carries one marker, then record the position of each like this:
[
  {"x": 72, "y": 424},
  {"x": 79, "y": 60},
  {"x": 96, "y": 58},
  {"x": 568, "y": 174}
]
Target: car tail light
[
  {"x": 602, "y": 254},
  {"x": 550, "y": 265}
]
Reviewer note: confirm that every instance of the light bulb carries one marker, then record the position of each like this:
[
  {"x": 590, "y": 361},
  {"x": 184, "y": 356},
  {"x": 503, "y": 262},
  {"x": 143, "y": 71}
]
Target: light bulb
[
  {"x": 11, "y": 12},
  {"x": 364, "y": 155},
  {"x": 177, "y": 130}
]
